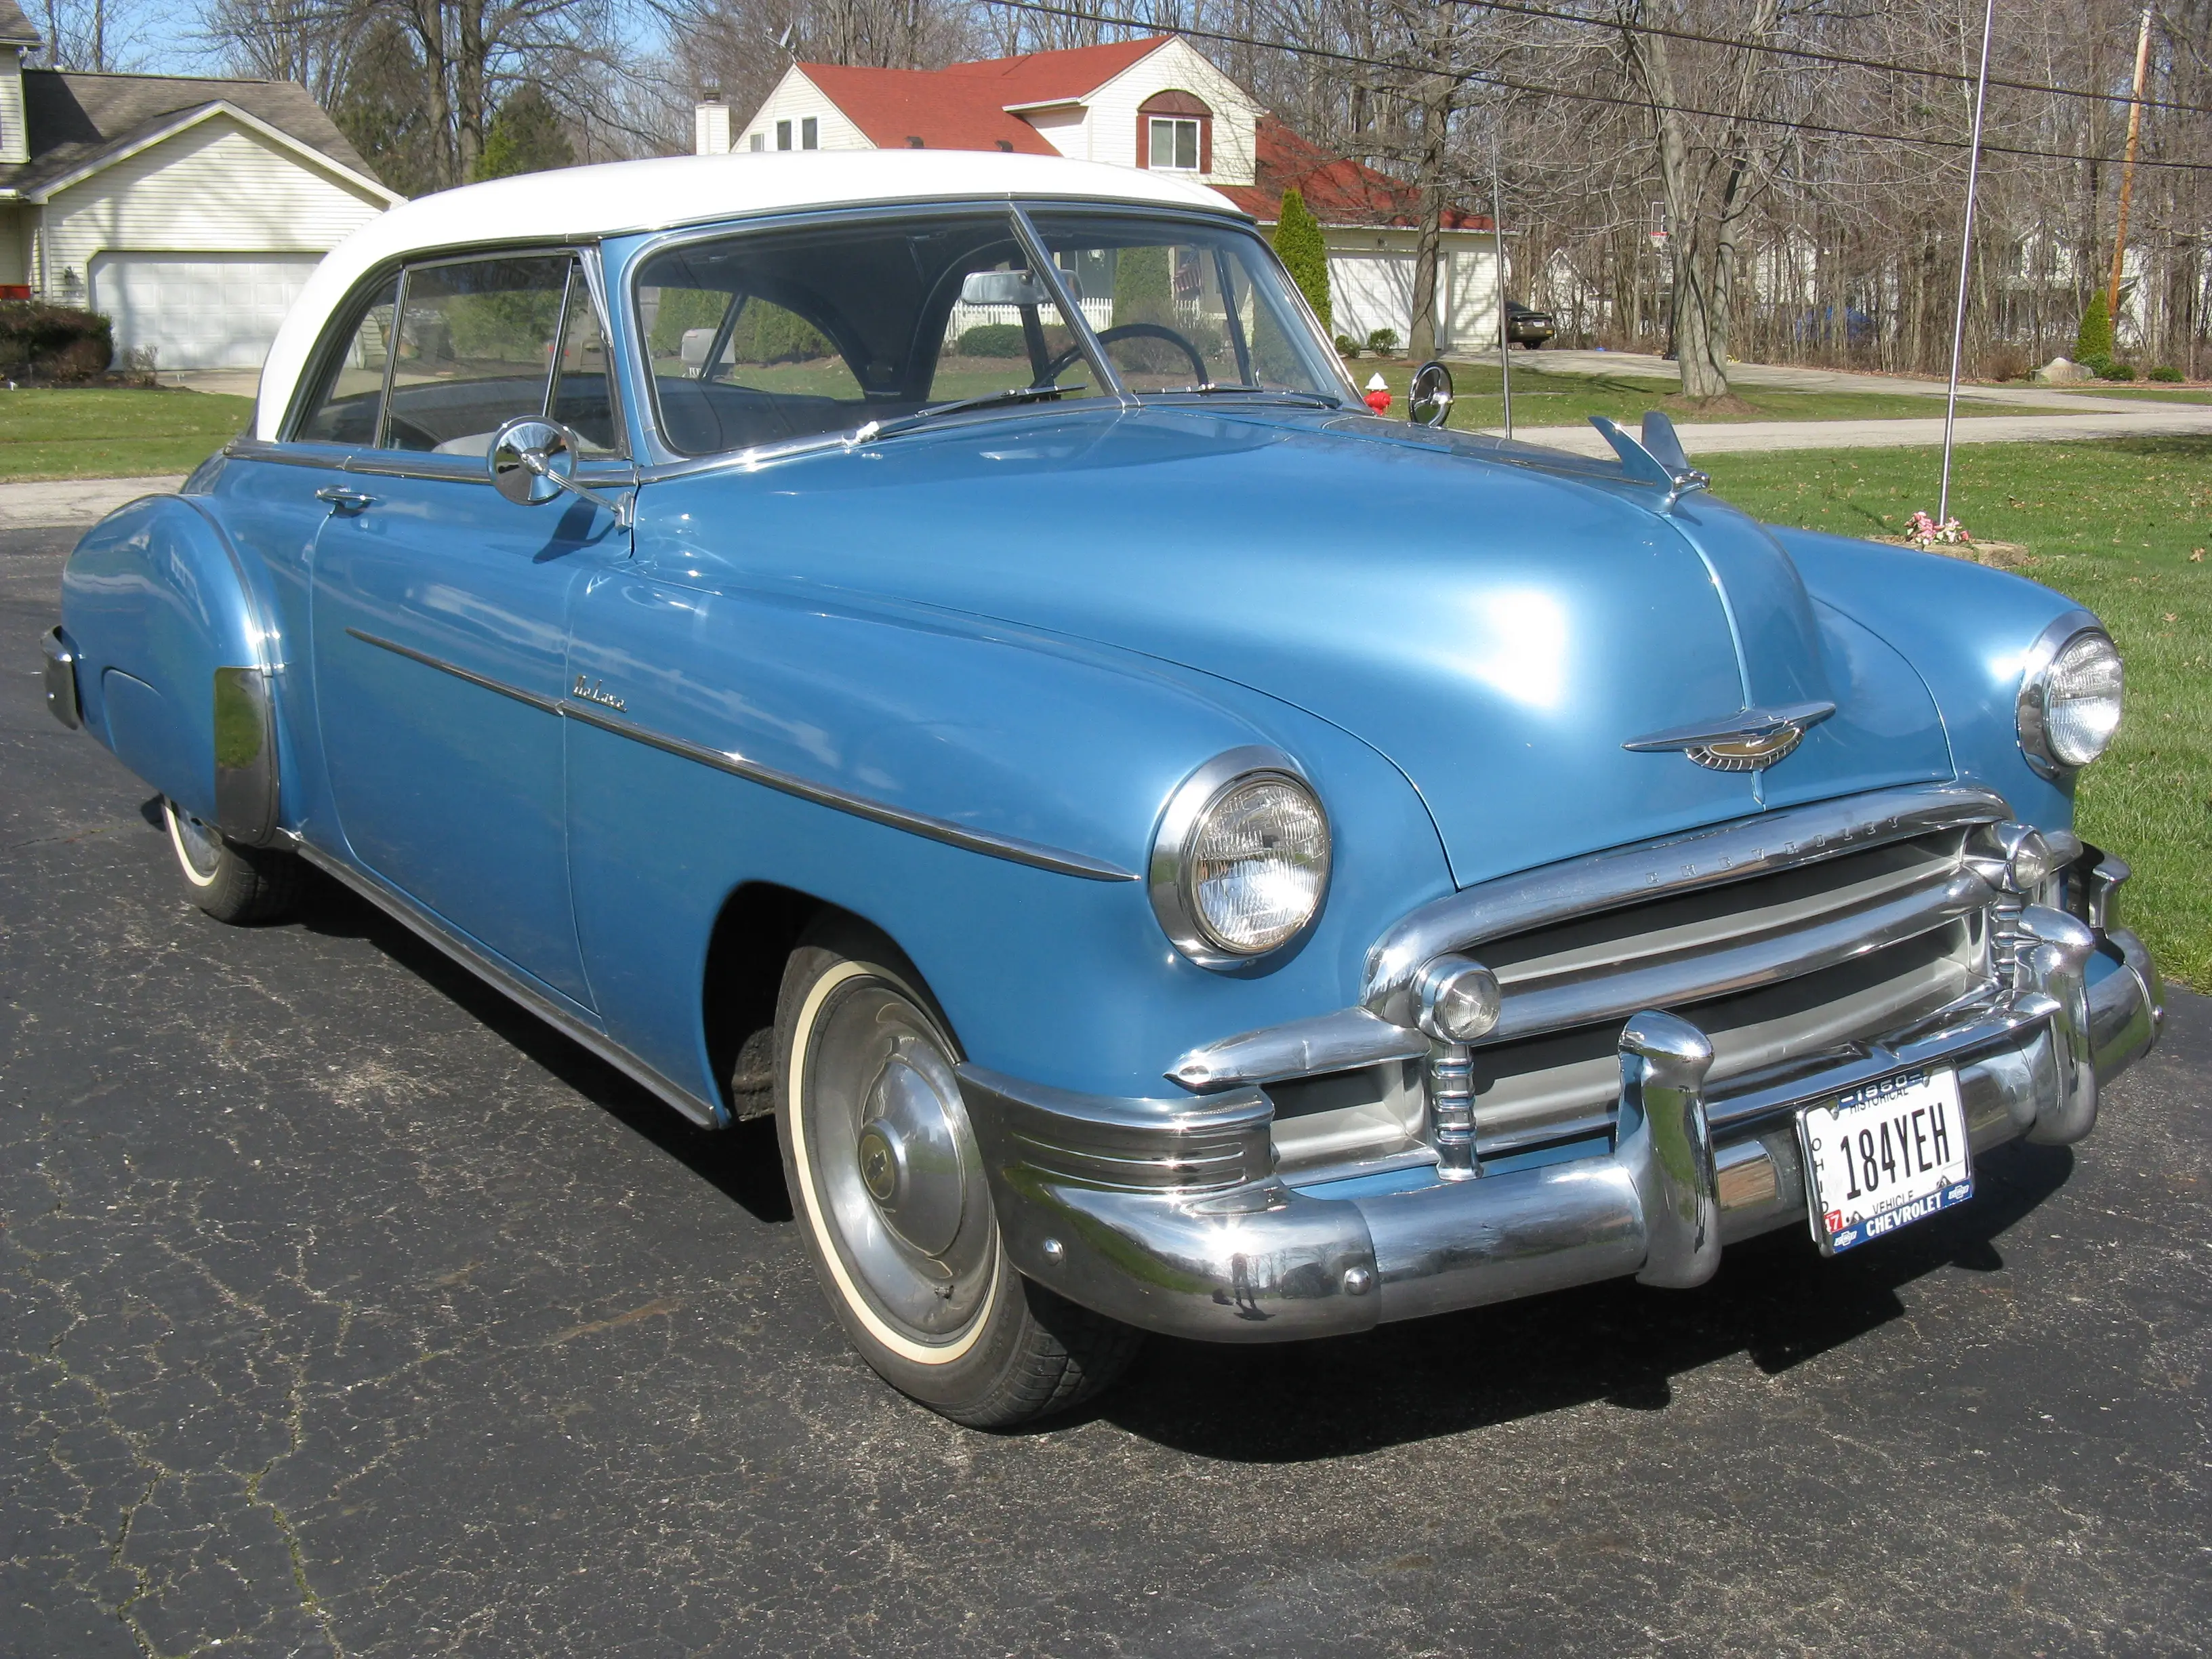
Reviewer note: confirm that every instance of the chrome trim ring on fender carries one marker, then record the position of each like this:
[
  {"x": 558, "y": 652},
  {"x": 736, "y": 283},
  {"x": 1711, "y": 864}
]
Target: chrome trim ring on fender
[{"x": 1167, "y": 870}]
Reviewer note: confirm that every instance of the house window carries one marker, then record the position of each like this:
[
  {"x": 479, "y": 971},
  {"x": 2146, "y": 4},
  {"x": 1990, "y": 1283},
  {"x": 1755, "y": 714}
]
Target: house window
[
  {"x": 1175, "y": 144},
  {"x": 1175, "y": 133},
  {"x": 810, "y": 134},
  {"x": 760, "y": 141},
  {"x": 783, "y": 134}
]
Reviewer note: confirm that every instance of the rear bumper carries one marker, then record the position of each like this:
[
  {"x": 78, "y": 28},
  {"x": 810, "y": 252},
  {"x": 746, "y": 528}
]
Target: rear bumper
[{"x": 1165, "y": 1214}]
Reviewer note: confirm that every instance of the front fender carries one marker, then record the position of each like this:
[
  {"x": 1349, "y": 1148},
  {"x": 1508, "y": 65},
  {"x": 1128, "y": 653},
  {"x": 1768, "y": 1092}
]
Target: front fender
[
  {"x": 1002, "y": 730},
  {"x": 1965, "y": 630},
  {"x": 172, "y": 660}
]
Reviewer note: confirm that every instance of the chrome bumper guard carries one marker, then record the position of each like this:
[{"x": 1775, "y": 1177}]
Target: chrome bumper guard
[{"x": 1166, "y": 1214}]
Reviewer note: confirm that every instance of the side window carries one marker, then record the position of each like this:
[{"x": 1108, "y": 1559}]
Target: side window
[
  {"x": 344, "y": 408},
  {"x": 580, "y": 399},
  {"x": 476, "y": 348}
]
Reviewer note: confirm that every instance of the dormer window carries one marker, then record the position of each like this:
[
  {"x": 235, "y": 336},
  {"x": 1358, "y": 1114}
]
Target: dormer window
[
  {"x": 1175, "y": 143},
  {"x": 1175, "y": 134}
]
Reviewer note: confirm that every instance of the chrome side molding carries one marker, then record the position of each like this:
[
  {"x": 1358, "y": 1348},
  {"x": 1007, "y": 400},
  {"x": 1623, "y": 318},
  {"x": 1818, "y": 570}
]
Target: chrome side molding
[{"x": 584, "y": 707}]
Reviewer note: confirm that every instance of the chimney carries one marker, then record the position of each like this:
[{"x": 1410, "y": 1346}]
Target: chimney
[{"x": 710, "y": 128}]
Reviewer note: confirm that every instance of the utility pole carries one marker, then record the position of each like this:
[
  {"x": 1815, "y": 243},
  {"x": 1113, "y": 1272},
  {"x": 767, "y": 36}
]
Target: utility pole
[
  {"x": 2128, "y": 172},
  {"x": 1498, "y": 242},
  {"x": 1966, "y": 256}
]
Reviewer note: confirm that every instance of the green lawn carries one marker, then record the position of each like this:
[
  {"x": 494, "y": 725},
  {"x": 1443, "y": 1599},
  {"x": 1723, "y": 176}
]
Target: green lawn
[
  {"x": 2113, "y": 525},
  {"x": 2152, "y": 393},
  {"x": 114, "y": 434}
]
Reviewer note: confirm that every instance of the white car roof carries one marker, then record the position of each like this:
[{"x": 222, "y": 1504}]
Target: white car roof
[{"x": 619, "y": 197}]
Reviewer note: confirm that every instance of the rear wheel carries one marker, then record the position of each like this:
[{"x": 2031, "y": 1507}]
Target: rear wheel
[
  {"x": 231, "y": 883},
  {"x": 889, "y": 1191}
]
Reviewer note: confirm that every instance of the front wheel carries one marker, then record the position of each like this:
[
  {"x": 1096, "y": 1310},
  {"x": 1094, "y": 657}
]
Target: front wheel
[
  {"x": 888, "y": 1187},
  {"x": 231, "y": 883}
]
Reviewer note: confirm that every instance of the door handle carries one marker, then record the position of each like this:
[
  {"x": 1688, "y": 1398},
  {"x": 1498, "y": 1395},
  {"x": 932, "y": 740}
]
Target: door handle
[{"x": 343, "y": 500}]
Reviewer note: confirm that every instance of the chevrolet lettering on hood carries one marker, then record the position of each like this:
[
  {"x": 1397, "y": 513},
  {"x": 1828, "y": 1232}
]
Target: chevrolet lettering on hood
[{"x": 1144, "y": 899}]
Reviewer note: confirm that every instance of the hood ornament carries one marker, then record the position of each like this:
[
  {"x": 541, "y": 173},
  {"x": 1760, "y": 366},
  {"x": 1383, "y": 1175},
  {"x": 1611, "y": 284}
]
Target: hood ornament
[
  {"x": 1654, "y": 457},
  {"x": 1749, "y": 740}
]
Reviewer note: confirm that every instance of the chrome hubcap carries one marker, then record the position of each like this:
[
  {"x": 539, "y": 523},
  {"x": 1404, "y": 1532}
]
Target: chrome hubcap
[{"x": 894, "y": 1164}]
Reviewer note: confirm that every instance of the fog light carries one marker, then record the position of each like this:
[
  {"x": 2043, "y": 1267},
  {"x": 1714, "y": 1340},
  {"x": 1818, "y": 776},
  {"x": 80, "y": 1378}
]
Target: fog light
[
  {"x": 2014, "y": 858},
  {"x": 1459, "y": 1000}
]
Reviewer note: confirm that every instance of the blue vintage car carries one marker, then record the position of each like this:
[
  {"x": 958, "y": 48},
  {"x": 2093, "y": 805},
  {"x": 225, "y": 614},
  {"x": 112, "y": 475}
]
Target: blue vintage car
[{"x": 932, "y": 647}]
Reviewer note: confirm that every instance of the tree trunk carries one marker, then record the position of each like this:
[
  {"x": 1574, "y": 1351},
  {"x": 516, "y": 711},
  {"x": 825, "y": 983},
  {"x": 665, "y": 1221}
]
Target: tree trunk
[{"x": 1436, "y": 119}]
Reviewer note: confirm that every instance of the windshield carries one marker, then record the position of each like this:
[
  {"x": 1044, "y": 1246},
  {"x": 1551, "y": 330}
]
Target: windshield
[
  {"x": 1186, "y": 306},
  {"x": 756, "y": 337},
  {"x": 765, "y": 337}
]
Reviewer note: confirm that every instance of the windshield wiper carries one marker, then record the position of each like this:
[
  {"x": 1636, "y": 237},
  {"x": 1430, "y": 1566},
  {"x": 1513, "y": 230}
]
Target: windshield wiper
[
  {"x": 1215, "y": 388},
  {"x": 1019, "y": 394}
]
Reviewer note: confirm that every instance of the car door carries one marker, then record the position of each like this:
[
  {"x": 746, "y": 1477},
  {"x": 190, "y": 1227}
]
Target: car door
[{"x": 441, "y": 608}]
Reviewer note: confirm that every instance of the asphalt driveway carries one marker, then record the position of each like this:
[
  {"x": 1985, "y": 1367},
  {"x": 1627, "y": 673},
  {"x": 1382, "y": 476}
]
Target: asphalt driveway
[{"x": 344, "y": 1309}]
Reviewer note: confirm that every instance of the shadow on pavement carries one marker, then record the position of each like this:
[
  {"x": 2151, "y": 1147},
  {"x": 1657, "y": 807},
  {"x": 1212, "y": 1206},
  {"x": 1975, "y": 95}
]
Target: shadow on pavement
[
  {"x": 742, "y": 1162},
  {"x": 1775, "y": 1300}
]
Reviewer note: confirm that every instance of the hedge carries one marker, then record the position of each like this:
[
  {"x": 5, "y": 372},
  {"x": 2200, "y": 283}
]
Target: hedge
[
  {"x": 54, "y": 343},
  {"x": 993, "y": 340}
]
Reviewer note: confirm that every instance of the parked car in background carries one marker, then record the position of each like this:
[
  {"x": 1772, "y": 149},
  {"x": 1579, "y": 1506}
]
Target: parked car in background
[
  {"x": 1525, "y": 328},
  {"x": 1145, "y": 898}
]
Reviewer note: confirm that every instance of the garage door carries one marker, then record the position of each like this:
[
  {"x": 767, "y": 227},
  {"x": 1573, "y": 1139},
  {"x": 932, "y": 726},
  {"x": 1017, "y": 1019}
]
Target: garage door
[
  {"x": 198, "y": 310},
  {"x": 1368, "y": 291}
]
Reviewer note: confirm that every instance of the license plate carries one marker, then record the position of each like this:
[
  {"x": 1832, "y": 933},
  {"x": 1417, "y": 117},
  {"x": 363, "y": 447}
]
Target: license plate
[{"x": 1884, "y": 1155}]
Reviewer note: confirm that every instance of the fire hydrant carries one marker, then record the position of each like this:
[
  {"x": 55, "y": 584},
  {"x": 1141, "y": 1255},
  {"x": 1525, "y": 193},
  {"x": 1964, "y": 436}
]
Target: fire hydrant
[{"x": 1378, "y": 395}]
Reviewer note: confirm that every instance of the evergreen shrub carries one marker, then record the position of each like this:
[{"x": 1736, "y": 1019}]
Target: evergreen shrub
[
  {"x": 2168, "y": 373},
  {"x": 1304, "y": 252},
  {"x": 2112, "y": 371},
  {"x": 2094, "y": 339}
]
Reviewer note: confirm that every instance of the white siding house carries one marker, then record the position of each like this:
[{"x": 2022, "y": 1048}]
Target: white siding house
[
  {"x": 1152, "y": 103},
  {"x": 189, "y": 211}
]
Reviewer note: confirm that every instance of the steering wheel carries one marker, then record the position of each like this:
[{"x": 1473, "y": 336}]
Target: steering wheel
[{"x": 1132, "y": 332}]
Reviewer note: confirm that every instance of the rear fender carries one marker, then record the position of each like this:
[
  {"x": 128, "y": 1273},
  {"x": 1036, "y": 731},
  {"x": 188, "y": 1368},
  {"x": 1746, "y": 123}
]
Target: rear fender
[{"x": 174, "y": 661}]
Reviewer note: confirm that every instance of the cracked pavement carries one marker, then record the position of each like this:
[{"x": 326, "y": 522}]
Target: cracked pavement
[{"x": 346, "y": 1310}]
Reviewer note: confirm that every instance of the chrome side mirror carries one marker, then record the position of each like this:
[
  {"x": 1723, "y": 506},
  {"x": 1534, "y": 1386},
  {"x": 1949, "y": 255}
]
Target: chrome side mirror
[
  {"x": 532, "y": 460},
  {"x": 1429, "y": 402}
]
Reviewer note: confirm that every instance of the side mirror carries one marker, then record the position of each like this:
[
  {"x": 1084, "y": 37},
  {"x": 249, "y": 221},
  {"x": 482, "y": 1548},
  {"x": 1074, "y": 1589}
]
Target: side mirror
[
  {"x": 532, "y": 460},
  {"x": 1429, "y": 403},
  {"x": 1003, "y": 288}
]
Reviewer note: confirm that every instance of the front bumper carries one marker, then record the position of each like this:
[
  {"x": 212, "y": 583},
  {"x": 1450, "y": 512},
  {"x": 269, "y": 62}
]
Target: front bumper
[{"x": 1166, "y": 1214}]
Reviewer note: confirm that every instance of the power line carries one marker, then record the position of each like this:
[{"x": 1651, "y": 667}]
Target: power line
[
  {"x": 1810, "y": 55},
  {"x": 1486, "y": 77}
]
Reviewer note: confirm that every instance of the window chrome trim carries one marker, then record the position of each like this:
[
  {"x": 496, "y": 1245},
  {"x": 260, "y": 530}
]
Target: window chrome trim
[
  {"x": 1168, "y": 866},
  {"x": 660, "y": 460},
  {"x": 585, "y": 255},
  {"x": 2035, "y": 681},
  {"x": 1012, "y": 849}
]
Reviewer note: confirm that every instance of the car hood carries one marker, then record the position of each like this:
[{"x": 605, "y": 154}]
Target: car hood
[{"x": 1499, "y": 631}]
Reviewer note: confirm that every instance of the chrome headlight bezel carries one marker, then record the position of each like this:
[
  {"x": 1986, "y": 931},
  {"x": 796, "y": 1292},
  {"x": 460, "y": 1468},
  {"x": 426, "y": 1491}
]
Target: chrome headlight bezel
[
  {"x": 1168, "y": 870},
  {"x": 2032, "y": 714}
]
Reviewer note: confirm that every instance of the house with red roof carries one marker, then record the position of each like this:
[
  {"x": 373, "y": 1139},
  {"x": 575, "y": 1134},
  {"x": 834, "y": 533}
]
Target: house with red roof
[{"x": 1156, "y": 103}]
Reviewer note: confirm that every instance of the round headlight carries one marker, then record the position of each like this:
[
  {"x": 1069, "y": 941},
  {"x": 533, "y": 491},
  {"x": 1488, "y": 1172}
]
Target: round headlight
[
  {"x": 2069, "y": 707},
  {"x": 1241, "y": 859}
]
